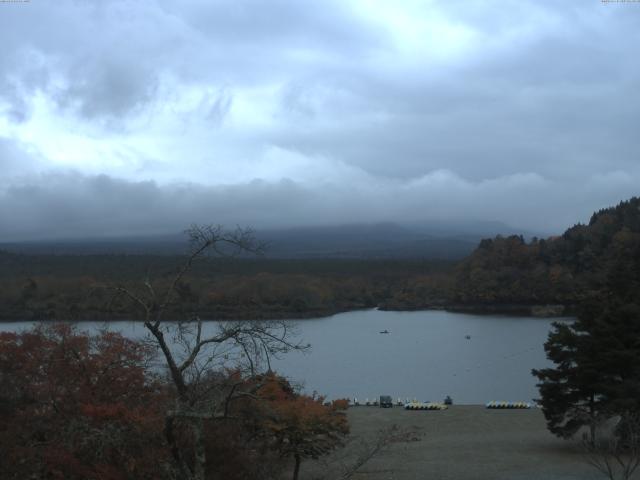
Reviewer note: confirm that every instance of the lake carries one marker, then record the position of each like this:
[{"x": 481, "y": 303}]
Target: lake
[{"x": 426, "y": 355}]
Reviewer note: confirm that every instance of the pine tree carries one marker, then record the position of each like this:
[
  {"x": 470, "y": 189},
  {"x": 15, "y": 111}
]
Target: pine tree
[
  {"x": 597, "y": 372},
  {"x": 571, "y": 395}
]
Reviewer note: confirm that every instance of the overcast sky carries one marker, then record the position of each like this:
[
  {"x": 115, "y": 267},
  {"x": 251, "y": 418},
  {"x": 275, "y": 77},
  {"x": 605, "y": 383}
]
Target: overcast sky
[{"x": 135, "y": 117}]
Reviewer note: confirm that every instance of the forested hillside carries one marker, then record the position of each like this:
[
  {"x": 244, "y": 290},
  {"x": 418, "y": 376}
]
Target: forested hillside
[
  {"x": 585, "y": 260},
  {"x": 505, "y": 274}
]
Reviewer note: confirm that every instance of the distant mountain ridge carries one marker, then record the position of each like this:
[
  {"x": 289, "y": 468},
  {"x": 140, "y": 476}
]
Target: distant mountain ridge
[{"x": 435, "y": 240}]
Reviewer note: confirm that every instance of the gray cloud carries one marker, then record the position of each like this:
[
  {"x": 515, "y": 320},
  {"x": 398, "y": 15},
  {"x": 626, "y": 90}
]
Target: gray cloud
[
  {"x": 109, "y": 88},
  {"x": 293, "y": 112},
  {"x": 16, "y": 161},
  {"x": 71, "y": 205},
  {"x": 106, "y": 57}
]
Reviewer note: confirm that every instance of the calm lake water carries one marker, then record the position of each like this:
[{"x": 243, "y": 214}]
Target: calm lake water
[{"x": 425, "y": 355}]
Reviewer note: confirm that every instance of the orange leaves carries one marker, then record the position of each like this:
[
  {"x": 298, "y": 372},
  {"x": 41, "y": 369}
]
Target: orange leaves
[
  {"x": 300, "y": 424},
  {"x": 275, "y": 389},
  {"x": 340, "y": 404}
]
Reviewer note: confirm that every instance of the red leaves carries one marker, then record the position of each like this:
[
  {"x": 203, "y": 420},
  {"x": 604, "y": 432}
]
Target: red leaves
[{"x": 76, "y": 406}]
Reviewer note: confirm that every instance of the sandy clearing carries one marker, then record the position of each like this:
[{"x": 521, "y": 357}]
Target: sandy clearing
[{"x": 462, "y": 443}]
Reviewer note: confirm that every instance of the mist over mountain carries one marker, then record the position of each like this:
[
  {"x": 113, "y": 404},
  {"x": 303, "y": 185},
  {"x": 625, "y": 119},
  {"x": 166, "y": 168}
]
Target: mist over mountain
[
  {"x": 433, "y": 240},
  {"x": 438, "y": 240}
]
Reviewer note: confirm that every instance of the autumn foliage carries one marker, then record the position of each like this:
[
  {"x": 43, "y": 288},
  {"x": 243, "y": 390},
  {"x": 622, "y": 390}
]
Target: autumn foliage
[
  {"x": 75, "y": 406},
  {"x": 300, "y": 426}
]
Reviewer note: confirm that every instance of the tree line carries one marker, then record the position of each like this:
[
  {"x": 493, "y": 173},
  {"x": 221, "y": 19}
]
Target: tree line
[{"x": 48, "y": 287}]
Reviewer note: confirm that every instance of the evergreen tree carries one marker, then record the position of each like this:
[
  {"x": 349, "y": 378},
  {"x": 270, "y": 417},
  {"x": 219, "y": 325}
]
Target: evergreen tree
[
  {"x": 571, "y": 395},
  {"x": 597, "y": 372}
]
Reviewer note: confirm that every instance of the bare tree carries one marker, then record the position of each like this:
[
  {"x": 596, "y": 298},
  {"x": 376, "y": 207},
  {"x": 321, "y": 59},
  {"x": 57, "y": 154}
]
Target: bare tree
[
  {"x": 192, "y": 354},
  {"x": 616, "y": 454}
]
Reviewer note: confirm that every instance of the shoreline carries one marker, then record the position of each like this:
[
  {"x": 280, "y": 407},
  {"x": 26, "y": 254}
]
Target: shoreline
[
  {"x": 535, "y": 311},
  {"x": 527, "y": 310}
]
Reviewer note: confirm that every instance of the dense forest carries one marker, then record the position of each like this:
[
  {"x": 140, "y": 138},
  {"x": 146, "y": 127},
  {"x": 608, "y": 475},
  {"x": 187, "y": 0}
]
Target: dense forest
[
  {"x": 48, "y": 287},
  {"x": 583, "y": 262},
  {"x": 506, "y": 274}
]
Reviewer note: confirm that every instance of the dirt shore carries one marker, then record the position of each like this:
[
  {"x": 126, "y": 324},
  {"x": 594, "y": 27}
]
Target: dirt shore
[{"x": 462, "y": 443}]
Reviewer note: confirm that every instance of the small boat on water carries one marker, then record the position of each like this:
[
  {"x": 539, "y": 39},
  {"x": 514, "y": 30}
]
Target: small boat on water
[
  {"x": 468, "y": 337},
  {"x": 384, "y": 331}
]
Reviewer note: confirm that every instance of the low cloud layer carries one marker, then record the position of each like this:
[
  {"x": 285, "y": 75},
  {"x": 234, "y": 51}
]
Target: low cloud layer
[
  {"x": 71, "y": 205},
  {"x": 138, "y": 117}
]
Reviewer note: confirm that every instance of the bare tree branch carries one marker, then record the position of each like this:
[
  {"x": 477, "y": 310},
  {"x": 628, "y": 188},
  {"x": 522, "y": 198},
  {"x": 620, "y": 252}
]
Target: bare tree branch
[
  {"x": 616, "y": 455},
  {"x": 196, "y": 400}
]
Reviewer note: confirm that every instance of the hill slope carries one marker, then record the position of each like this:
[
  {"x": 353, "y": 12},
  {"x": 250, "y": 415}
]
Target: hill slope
[{"x": 587, "y": 259}]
